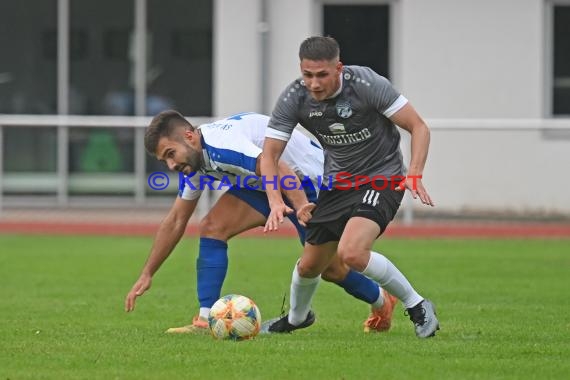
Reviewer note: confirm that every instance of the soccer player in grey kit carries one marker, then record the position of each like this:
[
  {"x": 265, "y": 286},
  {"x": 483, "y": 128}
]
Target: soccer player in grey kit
[{"x": 352, "y": 111}]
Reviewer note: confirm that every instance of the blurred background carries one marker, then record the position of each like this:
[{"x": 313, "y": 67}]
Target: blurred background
[{"x": 80, "y": 79}]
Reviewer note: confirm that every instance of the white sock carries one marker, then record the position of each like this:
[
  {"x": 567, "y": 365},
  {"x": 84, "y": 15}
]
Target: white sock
[
  {"x": 204, "y": 312},
  {"x": 302, "y": 291},
  {"x": 381, "y": 270},
  {"x": 379, "y": 302}
]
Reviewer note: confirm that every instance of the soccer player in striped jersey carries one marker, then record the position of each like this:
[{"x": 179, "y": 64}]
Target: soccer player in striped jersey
[{"x": 229, "y": 151}]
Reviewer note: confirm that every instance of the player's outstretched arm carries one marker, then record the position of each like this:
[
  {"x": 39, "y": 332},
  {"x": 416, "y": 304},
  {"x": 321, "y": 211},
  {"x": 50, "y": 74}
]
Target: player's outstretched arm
[
  {"x": 269, "y": 170},
  {"x": 169, "y": 233},
  {"x": 408, "y": 119}
]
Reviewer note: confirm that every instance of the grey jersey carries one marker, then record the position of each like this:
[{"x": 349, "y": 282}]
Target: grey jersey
[{"x": 353, "y": 127}]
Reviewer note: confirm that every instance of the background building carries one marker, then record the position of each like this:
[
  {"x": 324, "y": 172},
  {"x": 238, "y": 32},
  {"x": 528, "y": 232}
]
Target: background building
[{"x": 492, "y": 78}]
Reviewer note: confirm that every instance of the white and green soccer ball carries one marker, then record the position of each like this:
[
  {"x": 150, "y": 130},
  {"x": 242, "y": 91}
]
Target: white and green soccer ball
[{"x": 234, "y": 317}]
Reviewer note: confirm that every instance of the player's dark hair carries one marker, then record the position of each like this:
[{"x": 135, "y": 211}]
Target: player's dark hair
[
  {"x": 319, "y": 48},
  {"x": 164, "y": 125}
]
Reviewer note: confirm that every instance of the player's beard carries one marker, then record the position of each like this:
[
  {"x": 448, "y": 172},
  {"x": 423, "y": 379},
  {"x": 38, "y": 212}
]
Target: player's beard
[{"x": 194, "y": 160}]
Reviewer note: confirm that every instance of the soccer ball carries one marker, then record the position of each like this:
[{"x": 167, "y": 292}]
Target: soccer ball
[{"x": 234, "y": 317}]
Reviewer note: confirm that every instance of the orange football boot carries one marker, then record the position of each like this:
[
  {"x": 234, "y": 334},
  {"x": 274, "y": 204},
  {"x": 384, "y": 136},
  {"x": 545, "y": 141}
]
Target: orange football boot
[
  {"x": 380, "y": 319},
  {"x": 199, "y": 326}
]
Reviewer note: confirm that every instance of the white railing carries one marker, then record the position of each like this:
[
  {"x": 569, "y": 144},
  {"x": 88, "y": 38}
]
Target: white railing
[
  {"x": 138, "y": 179},
  {"x": 63, "y": 123}
]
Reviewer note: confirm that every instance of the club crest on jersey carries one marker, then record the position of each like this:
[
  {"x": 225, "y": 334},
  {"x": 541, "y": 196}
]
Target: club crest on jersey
[{"x": 344, "y": 110}]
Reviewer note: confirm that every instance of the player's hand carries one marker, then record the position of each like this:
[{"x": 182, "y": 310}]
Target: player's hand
[
  {"x": 277, "y": 216},
  {"x": 416, "y": 187},
  {"x": 138, "y": 289},
  {"x": 305, "y": 213}
]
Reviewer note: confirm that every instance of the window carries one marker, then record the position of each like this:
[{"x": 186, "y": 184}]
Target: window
[
  {"x": 101, "y": 71},
  {"x": 28, "y": 81},
  {"x": 180, "y": 60},
  {"x": 561, "y": 61},
  {"x": 362, "y": 32},
  {"x": 29, "y": 149},
  {"x": 101, "y": 150},
  {"x": 27, "y": 75},
  {"x": 180, "y": 56}
]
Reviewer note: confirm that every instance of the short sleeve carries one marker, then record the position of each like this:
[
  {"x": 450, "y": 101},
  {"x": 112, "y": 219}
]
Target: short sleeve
[
  {"x": 380, "y": 92},
  {"x": 284, "y": 116},
  {"x": 191, "y": 187}
]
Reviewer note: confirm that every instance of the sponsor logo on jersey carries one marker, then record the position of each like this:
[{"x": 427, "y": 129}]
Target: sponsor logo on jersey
[
  {"x": 344, "y": 110},
  {"x": 343, "y": 138},
  {"x": 315, "y": 114}
]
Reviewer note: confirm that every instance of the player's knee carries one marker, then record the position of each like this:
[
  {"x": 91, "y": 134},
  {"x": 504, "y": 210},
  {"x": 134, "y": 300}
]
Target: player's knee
[
  {"x": 333, "y": 274},
  {"x": 308, "y": 270},
  {"x": 351, "y": 256},
  {"x": 213, "y": 228}
]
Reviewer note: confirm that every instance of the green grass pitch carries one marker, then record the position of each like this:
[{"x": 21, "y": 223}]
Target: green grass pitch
[{"x": 503, "y": 308}]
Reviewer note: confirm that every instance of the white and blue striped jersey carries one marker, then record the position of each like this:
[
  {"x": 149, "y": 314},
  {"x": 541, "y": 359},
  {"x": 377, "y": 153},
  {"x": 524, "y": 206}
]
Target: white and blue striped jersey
[{"x": 230, "y": 149}]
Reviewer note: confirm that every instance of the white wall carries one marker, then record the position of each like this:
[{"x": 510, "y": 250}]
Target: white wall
[
  {"x": 464, "y": 58},
  {"x": 237, "y": 43},
  {"x": 494, "y": 171},
  {"x": 291, "y": 22},
  {"x": 236, "y": 56}
]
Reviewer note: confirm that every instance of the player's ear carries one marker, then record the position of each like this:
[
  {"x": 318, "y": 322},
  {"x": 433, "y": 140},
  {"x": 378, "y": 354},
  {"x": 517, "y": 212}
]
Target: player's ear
[
  {"x": 339, "y": 66},
  {"x": 192, "y": 136}
]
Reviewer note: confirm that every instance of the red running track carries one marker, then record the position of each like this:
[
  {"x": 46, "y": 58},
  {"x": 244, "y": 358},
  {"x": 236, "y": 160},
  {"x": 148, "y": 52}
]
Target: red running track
[{"x": 418, "y": 230}]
